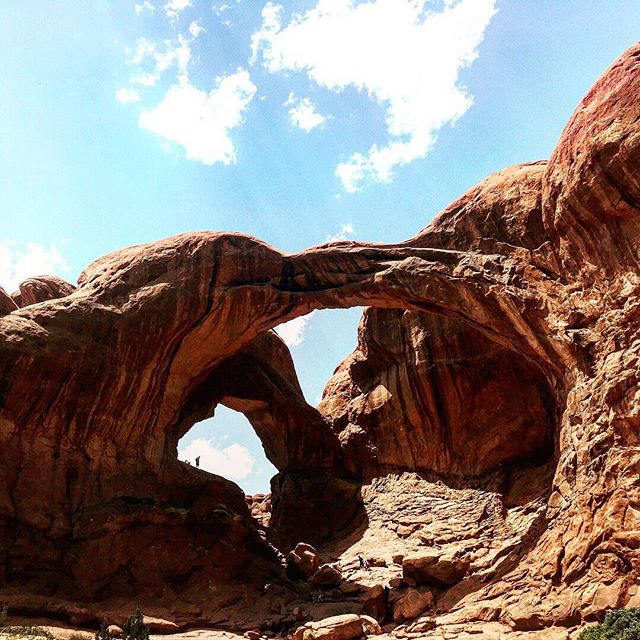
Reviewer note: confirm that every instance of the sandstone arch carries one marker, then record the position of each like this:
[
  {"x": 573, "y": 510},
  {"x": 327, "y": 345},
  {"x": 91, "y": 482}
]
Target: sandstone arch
[
  {"x": 540, "y": 258},
  {"x": 165, "y": 318},
  {"x": 260, "y": 381}
]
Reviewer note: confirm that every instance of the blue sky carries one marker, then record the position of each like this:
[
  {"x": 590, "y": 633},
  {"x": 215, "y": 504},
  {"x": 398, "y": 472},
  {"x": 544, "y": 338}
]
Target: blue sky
[{"x": 127, "y": 121}]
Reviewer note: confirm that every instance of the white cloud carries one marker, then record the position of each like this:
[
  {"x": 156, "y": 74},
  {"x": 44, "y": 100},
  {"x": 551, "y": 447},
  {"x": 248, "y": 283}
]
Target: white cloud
[
  {"x": 174, "y": 8},
  {"x": 173, "y": 52},
  {"x": 195, "y": 29},
  {"x": 36, "y": 260},
  {"x": 162, "y": 56},
  {"x": 139, "y": 8},
  {"x": 404, "y": 55},
  {"x": 263, "y": 39},
  {"x": 303, "y": 113},
  {"x": 176, "y": 52},
  {"x": 233, "y": 462},
  {"x": 221, "y": 9},
  {"x": 346, "y": 230},
  {"x": 292, "y": 332},
  {"x": 143, "y": 49},
  {"x": 201, "y": 122},
  {"x": 127, "y": 95},
  {"x": 145, "y": 79}
]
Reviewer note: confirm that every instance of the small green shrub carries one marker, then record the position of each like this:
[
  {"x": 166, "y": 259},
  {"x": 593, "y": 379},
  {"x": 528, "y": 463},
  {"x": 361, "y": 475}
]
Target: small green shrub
[
  {"x": 621, "y": 624},
  {"x": 135, "y": 628}
]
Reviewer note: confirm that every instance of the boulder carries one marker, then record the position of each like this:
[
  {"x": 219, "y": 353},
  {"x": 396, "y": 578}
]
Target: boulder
[
  {"x": 160, "y": 625},
  {"x": 326, "y": 576},
  {"x": 433, "y": 568},
  {"x": 411, "y": 604},
  {"x": 422, "y": 626},
  {"x": 370, "y": 625},
  {"x": 303, "y": 561},
  {"x": 344, "y": 627},
  {"x": 377, "y": 562}
]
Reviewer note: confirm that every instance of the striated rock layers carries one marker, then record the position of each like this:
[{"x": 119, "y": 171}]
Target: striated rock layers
[{"x": 499, "y": 361}]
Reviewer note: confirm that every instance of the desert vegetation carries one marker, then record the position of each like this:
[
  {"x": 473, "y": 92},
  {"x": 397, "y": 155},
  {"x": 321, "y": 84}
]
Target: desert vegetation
[{"x": 620, "y": 624}]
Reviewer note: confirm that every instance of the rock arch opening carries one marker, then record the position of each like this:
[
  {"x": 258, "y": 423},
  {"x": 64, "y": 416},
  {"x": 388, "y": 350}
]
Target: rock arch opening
[
  {"x": 319, "y": 342},
  {"x": 426, "y": 392},
  {"x": 227, "y": 445}
]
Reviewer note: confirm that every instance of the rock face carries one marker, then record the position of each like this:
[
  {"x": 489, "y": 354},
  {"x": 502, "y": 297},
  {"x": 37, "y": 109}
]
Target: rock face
[
  {"x": 431, "y": 393},
  {"x": 411, "y": 604},
  {"x": 260, "y": 507},
  {"x": 497, "y": 370},
  {"x": 40, "y": 289},
  {"x": 7, "y": 304}
]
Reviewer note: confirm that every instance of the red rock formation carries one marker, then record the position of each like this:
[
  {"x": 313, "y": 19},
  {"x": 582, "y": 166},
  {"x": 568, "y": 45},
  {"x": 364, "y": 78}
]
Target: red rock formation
[
  {"x": 259, "y": 505},
  {"x": 505, "y": 336},
  {"x": 7, "y": 305},
  {"x": 430, "y": 393},
  {"x": 260, "y": 381},
  {"x": 41, "y": 288}
]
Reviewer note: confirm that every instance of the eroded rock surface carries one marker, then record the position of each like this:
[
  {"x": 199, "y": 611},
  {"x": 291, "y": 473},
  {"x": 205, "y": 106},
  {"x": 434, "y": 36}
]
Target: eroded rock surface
[
  {"x": 489, "y": 415},
  {"x": 259, "y": 505},
  {"x": 40, "y": 289},
  {"x": 430, "y": 393}
]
